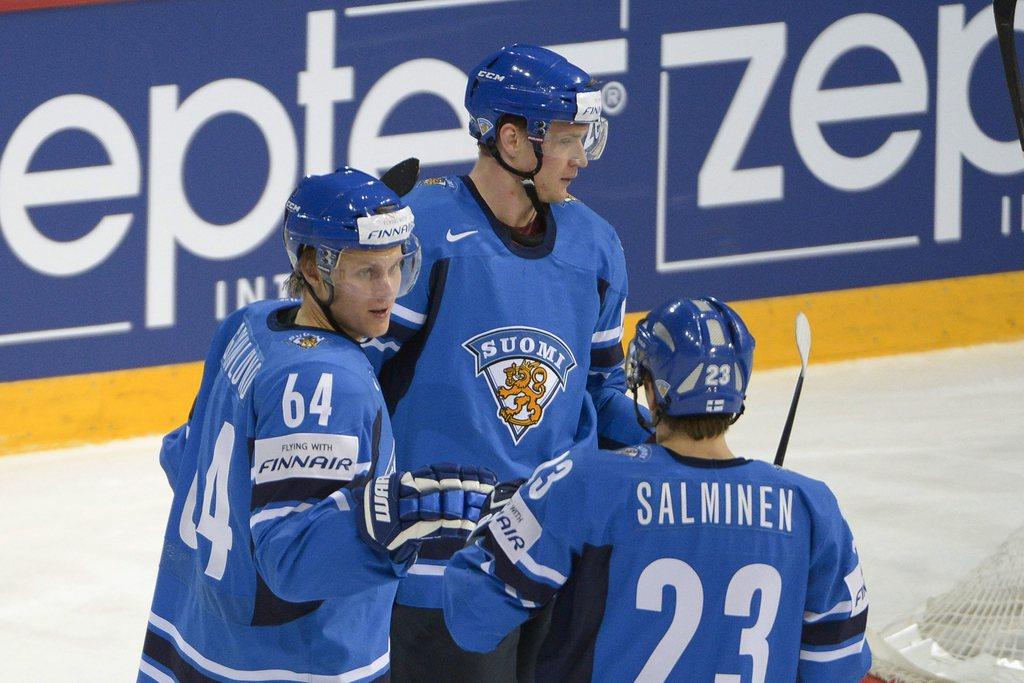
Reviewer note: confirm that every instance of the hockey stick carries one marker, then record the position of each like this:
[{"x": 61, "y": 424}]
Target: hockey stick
[
  {"x": 1004, "y": 11},
  {"x": 803, "y": 345}
]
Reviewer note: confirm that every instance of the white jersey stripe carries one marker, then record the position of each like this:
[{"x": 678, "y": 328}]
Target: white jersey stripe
[
  {"x": 613, "y": 334},
  {"x": 374, "y": 667},
  {"x": 427, "y": 569},
  {"x": 408, "y": 315},
  {"x": 154, "y": 673},
  {"x": 381, "y": 346},
  {"x": 843, "y": 607},
  {"x": 537, "y": 569},
  {"x": 832, "y": 655},
  {"x": 274, "y": 513},
  {"x": 340, "y": 500}
]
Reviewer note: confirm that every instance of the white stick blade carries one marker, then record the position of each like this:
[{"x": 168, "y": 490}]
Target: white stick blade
[{"x": 803, "y": 338}]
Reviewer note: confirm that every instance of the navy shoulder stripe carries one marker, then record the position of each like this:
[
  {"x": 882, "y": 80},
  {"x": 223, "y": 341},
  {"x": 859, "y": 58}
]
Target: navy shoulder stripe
[
  {"x": 504, "y": 569},
  {"x": 397, "y": 373},
  {"x": 577, "y": 619}
]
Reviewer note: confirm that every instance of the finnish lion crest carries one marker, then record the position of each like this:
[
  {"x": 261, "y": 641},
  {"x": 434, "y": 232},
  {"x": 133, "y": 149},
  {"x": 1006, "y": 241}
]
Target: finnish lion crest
[
  {"x": 526, "y": 384},
  {"x": 524, "y": 368}
]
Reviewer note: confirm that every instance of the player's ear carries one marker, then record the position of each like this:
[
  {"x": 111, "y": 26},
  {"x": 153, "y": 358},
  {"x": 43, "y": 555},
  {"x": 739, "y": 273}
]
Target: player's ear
[
  {"x": 510, "y": 138},
  {"x": 307, "y": 266}
]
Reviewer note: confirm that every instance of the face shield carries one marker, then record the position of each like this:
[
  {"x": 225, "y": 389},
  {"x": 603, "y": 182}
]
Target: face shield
[
  {"x": 381, "y": 274},
  {"x": 633, "y": 367},
  {"x": 581, "y": 142},
  {"x": 582, "y": 139}
]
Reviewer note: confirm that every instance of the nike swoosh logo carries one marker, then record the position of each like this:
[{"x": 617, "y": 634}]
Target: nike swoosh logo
[{"x": 452, "y": 237}]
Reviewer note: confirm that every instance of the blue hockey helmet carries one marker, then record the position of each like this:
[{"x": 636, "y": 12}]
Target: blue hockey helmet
[
  {"x": 699, "y": 355},
  {"x": 538, "y": 85},
  {"x": 349, "y": 209}
]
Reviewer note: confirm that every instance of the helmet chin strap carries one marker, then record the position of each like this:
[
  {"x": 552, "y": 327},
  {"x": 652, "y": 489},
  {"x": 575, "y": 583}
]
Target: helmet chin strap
[
  {"x": 641, "y": 420},
  {"x": 325, "y": 308},
  {"x": 527, "y": 177},
  {"x": 651, "y": 426}
]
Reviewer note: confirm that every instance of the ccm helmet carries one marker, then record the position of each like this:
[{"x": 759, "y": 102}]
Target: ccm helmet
[{"x": 540, "y": 86}]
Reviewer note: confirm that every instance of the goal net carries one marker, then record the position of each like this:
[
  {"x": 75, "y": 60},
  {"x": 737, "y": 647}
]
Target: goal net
[{"x": 974, "y": 632}]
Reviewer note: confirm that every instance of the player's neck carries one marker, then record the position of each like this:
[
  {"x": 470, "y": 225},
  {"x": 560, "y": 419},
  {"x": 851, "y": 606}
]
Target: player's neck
[
  {"x": 503, "y": 193},
  {"x": 310, "y": 315},
  {"x": 709, "y": 449}
]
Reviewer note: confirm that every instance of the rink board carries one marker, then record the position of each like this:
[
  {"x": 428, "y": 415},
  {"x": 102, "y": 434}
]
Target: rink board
[
  {"x": 829, "y": 156},
  {"x": 873, "y": 321}
]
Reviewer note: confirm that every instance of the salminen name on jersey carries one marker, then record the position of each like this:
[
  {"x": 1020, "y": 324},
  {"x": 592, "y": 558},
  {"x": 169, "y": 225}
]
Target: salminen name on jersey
[
  {"x": 241, "y": 361},
  {"x": 680, "y": 503}
]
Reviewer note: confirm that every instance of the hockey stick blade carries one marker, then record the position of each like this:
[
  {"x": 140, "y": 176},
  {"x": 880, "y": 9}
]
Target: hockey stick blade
[
  {"x": 1004, "y": 11},
  {"x": 803, "y": 345}
]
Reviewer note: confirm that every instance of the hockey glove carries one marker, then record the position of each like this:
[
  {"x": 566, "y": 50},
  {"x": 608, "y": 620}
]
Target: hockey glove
[
  {"x": 402, "y": 509},
  {"x": 499, "y": 497}
]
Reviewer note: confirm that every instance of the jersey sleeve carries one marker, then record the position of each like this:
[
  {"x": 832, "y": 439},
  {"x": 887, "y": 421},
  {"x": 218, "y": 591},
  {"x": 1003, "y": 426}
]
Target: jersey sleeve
[
  {"x": 519, "y": 561},
  {"x": 317, "y": 428},
  {"x": 172, "y": 450},
  {"x": 832, "y": 644},
  {"x": 617, "y": 425}
]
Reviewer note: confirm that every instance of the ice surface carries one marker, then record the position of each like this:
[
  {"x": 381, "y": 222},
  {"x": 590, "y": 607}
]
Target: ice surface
[{"x": 923, "y": 451}]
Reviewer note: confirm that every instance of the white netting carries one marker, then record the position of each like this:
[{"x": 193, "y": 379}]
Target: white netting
[{"x": 972, "y": 633}]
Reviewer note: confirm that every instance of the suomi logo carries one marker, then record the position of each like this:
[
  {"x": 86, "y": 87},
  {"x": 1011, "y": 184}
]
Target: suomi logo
[{"x": 524, "y": 368}]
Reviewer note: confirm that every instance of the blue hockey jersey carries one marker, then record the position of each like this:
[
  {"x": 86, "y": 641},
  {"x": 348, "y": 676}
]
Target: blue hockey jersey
[
  {"x": 503, "y": 353},
  {"x": 263, "y": 575},
  {"x": 668, "y": 568}
]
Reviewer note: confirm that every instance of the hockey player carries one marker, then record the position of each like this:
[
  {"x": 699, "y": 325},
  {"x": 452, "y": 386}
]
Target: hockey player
[
  {"x": 510, "y": 343},
  {"x": 280, "y": 559},
  {"x": 676, "y": 560}
]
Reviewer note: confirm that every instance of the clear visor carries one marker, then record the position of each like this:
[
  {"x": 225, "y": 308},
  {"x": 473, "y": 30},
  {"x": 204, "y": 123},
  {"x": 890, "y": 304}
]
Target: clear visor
[
  {"x": 372, "y": 274},
  {"x": 632, "y": 367},
  {"x": 579, "y": 141}
]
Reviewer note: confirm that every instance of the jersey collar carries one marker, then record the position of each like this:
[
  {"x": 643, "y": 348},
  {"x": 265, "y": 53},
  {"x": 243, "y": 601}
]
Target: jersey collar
[
  {"x": 504, "y": 233},
  {"x": 705, "y": 463},
  {"x": 283, "y": 319}
]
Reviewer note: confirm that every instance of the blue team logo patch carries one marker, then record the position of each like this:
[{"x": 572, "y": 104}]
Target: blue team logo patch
[
  {"x": 641, "y": 453},
  {"x": 524, "y": 368}
]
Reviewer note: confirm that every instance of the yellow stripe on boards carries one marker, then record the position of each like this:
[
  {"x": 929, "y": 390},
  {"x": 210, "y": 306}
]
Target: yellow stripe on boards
[
  {"x": 884, "y": 320},
  {"x": 77, "y": 409},
  {"x": 853, "y": 323}
]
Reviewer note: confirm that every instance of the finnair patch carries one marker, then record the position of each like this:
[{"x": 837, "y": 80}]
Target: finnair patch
[
  {"x": 588, "y": 107},
  {"x": 307, "y": 456},
  {"x": 515, "y": 528},
  {"x": 385, "y": 228},
  {"x": 858, "y": 593}
]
